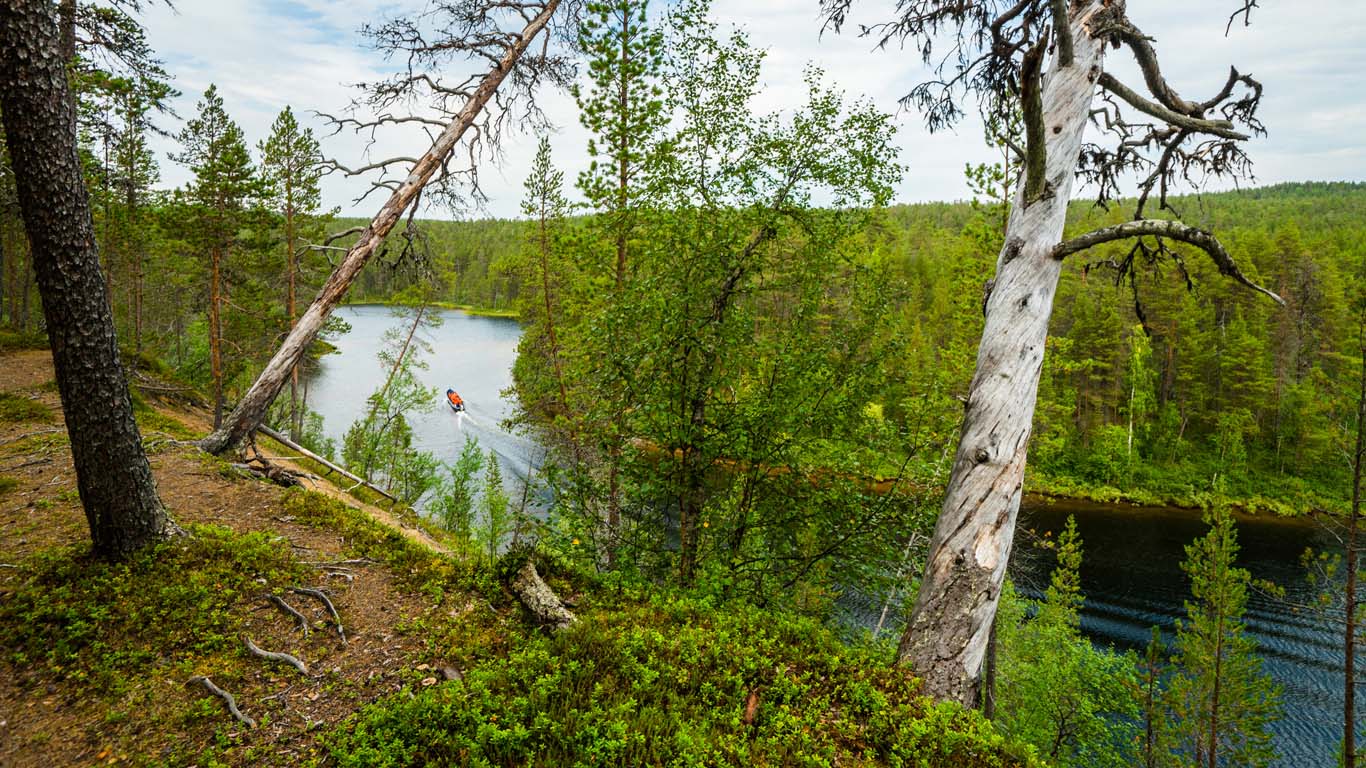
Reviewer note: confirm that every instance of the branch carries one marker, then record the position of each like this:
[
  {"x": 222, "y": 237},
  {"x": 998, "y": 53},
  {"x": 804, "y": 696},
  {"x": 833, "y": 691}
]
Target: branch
[
  {"x": 225, "y": 696},
  {"x": 1031, "y": 99},
  {"x": 1063, "y": 29},
  {"x": 1173, "y": 230},
  {"x": 1222, "y": 128}
]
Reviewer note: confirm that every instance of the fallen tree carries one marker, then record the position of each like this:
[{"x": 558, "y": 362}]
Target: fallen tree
[{"x": 474, "y": 32}]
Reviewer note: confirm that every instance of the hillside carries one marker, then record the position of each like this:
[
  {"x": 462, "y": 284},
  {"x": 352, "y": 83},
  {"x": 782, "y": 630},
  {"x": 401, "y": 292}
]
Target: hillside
[{"x": 438, "y": 664}]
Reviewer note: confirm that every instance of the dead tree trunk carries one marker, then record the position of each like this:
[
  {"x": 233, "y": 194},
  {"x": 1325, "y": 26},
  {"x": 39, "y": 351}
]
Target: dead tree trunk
[
  {"x": 946, "y": 640},
  {"x": 250, "y": 412},
  {"x": 112, "y": 473}
]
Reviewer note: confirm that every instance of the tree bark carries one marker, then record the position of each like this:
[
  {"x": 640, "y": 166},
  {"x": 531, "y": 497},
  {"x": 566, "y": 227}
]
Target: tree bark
[
  {"x": 250, "y": 412},
  {"x": 215, "y": 337},
  {"x": 947, "y": 637},
  {"x": 112, "y": 474}
]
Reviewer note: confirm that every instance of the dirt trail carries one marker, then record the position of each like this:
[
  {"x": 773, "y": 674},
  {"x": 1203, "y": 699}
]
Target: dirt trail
[{"x": 48, "y": 720}]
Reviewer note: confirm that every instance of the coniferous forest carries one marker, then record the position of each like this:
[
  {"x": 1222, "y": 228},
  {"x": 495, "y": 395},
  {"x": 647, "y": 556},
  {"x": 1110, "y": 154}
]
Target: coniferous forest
[{"x": 785, "y": 471}]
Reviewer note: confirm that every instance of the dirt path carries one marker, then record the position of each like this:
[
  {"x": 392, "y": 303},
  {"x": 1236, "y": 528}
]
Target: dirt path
[{"x": 46, "y": 719}]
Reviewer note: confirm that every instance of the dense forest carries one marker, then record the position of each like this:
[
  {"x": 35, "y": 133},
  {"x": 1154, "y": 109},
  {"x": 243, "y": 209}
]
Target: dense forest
[{"x": 764, "y": 397}]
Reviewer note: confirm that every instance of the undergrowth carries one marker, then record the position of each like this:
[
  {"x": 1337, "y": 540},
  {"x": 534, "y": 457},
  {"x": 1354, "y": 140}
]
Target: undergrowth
[
  {"x": 19, "y": 408},
  {"x": 92, "y": 622},
  {"x": 674, "y": 682}
]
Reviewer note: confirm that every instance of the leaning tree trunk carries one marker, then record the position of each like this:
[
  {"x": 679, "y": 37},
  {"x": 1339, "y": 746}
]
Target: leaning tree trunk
[
  {"x": 946, "y": 639},
  {"x": 250, "y": 412},
  {"x": 112, "y": 474}
]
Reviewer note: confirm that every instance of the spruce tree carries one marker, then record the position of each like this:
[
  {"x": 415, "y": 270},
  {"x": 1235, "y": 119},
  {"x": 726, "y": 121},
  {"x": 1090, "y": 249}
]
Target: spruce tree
[{"x": 1222, "y": 702}]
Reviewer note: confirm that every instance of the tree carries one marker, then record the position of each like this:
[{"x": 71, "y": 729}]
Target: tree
[
  {"x": 1056, "y": 691},
  {"x": 471, "y": 29},
  {"x": 453, "y": 502},
  {"x": 290, "y": 169},
  {"x": 224, "y": 188},
  {"x": 112, "y": 474},
  {"x": 998, "y": 55},
  {"x": 1221, "y": 699},
  {"x": 496, "y": 521}
]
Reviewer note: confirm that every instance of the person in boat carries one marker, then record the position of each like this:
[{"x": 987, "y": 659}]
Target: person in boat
[{"x": 457, "y": 404}]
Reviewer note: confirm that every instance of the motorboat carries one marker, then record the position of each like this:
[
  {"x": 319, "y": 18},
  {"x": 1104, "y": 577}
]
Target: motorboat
[{"x": 456, "y": 403}]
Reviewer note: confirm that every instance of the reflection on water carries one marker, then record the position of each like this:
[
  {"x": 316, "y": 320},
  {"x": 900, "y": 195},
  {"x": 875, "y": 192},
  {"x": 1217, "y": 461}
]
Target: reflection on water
[
  {"x": 1131, "y": 574},
  {"x": 472, "y": 355}
]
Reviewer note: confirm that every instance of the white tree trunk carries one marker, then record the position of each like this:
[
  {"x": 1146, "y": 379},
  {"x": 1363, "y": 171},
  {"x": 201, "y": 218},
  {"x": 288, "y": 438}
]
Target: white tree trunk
[
  {"x": 249, "y": 413},
  {"x": 946, "y": 639}
]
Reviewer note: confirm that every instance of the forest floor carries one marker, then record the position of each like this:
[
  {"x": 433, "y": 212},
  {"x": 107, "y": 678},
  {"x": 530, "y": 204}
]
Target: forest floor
[{"x": 50, "y": 714}]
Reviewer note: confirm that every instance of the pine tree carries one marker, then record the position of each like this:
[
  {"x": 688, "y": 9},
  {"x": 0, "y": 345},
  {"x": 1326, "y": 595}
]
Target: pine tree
[
  {"x": 1222, "y": 701},
  {"x": 225, "y": 186},
  {"x": 290, "y": 170}
]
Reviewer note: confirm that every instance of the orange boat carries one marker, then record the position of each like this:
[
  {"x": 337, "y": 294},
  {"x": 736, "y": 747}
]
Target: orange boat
[{"x": 454, "y": 400}]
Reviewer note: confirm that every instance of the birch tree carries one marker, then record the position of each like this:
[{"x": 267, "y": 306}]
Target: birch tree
[
  {"x": 470, "y": 114},
  {"x": 1045, "y": 59}
]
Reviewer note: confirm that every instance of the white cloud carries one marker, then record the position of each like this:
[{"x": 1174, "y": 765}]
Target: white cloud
[{"x": 264, "y": 54}]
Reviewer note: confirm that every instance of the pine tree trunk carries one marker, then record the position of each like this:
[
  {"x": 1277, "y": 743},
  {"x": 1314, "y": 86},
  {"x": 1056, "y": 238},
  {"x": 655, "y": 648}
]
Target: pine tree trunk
[
  {"x": 946, "y": 639},
  {"x": 251, "y": 409},
  {"x": 291, "y": 265},
  {"x": 112, "y": 474},
  {"x": 215, "y": 336}
]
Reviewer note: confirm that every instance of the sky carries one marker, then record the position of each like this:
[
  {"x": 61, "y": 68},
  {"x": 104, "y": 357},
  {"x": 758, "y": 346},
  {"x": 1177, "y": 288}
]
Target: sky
[{"x": 265, "y": 54}]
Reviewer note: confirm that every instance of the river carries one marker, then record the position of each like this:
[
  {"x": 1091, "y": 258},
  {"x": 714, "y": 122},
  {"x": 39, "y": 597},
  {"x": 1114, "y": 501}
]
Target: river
[{"x": 1131, "y": 572}]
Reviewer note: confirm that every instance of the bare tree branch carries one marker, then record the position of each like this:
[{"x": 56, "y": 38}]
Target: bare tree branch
[
  {"x": 1162, "y": 228},
  {"x": 1223, "y": 128}
]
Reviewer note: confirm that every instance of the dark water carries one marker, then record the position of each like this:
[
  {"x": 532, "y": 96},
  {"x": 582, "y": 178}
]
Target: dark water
[
  {"x": 1131, "y": 571},
  {"x": 470, "y": 354},
  {"x": 1132, "y": 578}
]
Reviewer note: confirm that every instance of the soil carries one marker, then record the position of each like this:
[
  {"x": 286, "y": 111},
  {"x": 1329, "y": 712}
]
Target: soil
[{"x": 47, "y": 721}]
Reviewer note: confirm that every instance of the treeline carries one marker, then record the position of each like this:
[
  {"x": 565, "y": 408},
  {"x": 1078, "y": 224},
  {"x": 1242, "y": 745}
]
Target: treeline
[{"x": 1174, "y": 387}]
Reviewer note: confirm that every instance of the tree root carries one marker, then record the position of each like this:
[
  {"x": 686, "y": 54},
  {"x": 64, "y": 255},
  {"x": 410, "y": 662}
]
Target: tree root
[
  {"x": 318, "y": 594},
  {"x": 275, "y": 656},
  {"x": 279, "y": 602},
  {"x": 225, "y": 696},
  {"x": 540, "y": 599}
]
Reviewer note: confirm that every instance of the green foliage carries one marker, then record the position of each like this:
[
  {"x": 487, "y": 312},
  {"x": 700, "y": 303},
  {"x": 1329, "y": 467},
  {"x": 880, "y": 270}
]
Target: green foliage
[
  {"x": 453, "y": 501},
  {"x": 100, "y": 623},
  {"x": 670, "y": 682},
  {"x": 1221, "y": 701},
  {"x": 15, "y": 407},
  {"x": 1054, "y": 689},
  {"x": 495, "y": 518}
]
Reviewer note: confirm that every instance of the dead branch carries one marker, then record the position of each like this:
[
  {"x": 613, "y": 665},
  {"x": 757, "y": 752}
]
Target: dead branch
[
  {"x": 225, "y": 696},
  {"x": 279, "y": 602},
  {"x": 293, "y": 446},
  {"x": 1222, "y": 128},
  {"x": 540, "y": 599},
  {"x": 1173, "y": 230},
  {"x": 318, "y": 594},
  {"x": 275, "y": 656}
]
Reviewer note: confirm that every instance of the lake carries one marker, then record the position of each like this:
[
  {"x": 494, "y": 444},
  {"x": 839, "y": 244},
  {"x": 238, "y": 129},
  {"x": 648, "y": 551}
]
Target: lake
[{"x": 1131, "y": 572}]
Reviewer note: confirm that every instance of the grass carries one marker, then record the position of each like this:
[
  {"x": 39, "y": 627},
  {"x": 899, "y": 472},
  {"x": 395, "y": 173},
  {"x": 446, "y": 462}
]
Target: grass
[{"x": 17, "y": 408}]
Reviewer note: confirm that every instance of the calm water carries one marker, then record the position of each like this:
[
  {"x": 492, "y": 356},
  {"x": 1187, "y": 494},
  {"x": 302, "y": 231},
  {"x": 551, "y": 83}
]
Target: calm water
[
  {"x": 1132, "y": 578},
  {"x": 1131, "y": 571},
  {"x": 472, "y": 355}
]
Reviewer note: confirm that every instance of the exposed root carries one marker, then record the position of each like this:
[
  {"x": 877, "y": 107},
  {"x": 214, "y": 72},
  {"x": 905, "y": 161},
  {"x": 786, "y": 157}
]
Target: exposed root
[
  {"x": 318, "y": 594},
  {"x": 275, "y": 656},
  {"x": 225, "y": 696},
  {"x": 279, "y": 602}
]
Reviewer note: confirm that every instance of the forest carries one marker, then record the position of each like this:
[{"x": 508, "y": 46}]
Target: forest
[{"x": 783, "y": 426}]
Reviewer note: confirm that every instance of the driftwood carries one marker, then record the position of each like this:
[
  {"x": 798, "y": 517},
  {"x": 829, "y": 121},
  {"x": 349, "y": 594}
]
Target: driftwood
[
  {"x": 293, "y": 446},
  {"x": 225, "y": 696},
  {"x": 319, "y": 595},
  {"x": 275, "y": 656},
  {"x": 279, "y": 602},
  {"x": 540, "y": 599}
]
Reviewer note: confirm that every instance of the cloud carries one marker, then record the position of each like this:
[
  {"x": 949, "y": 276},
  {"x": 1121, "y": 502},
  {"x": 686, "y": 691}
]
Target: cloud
[{"x": 265, "y": 54}]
